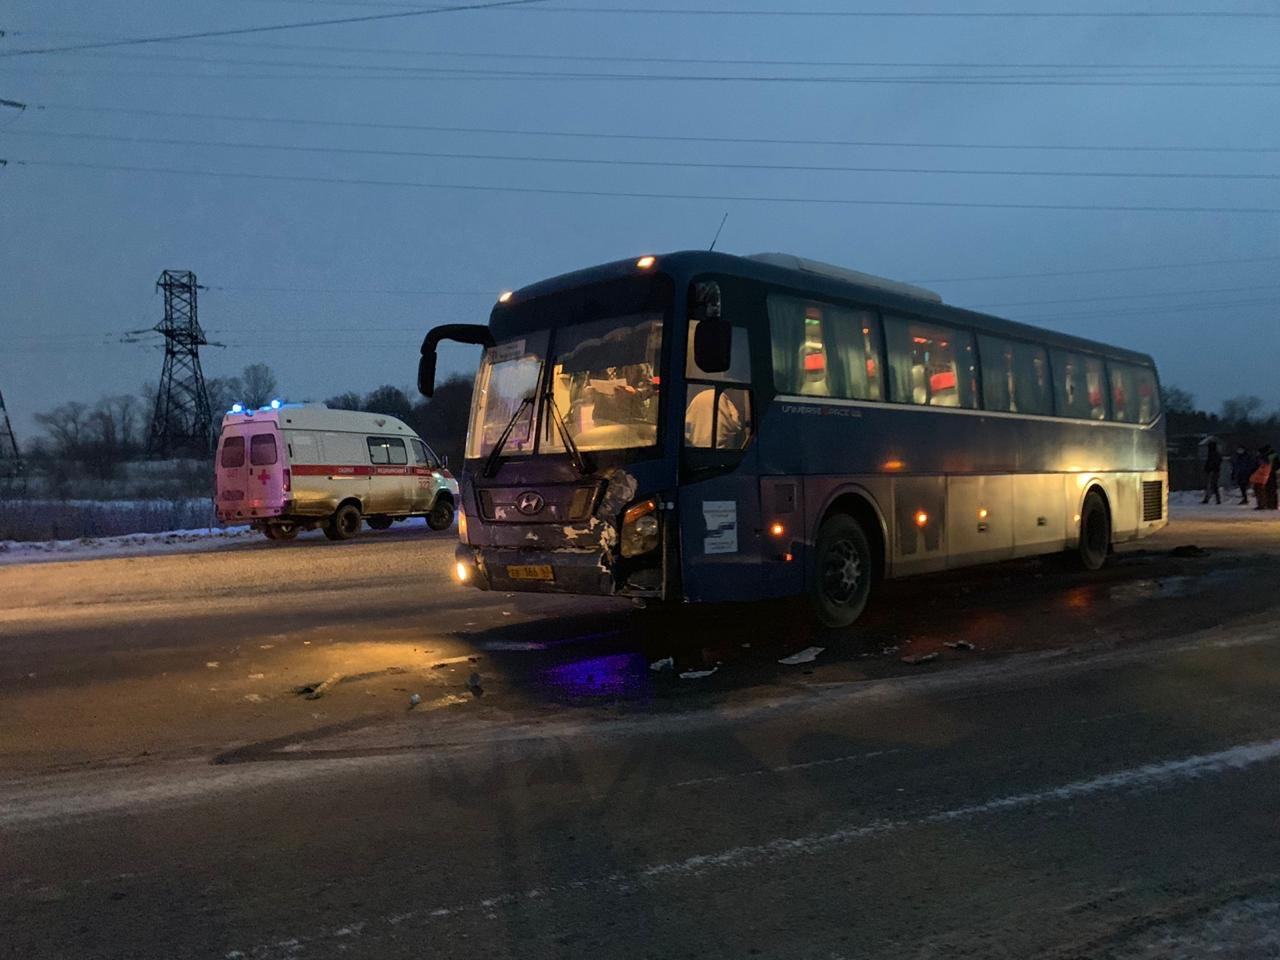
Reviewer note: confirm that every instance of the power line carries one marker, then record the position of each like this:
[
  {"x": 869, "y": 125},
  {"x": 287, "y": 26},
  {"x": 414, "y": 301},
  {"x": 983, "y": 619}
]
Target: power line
[
  {"x": 720, "y": 61},
  {"x": 1153, "y": 311},
  {"x": 462, "y": 73},
  {"x": 240, "y": 31},
  {"x": 1131, "y": 296},
  {"x": 684, "y": 164},
  {"x": 1078, "y": 273},
  {"x": 657, "y": 138},
  {"x": 417, "y": 293},
  {"x": 1139, "y": 71},
  {"x": 641, "y": 195},
  {"x": 877, "y": 14}
]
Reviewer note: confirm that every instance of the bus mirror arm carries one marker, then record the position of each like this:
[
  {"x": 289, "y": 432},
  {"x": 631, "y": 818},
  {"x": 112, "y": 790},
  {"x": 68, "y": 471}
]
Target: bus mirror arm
[{"x": 476, "y": 333}]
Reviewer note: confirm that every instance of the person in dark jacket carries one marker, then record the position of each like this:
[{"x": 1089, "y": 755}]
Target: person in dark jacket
[
  {"x": 1242, "y": 466},
  {"x": 1212, "y": 471}
]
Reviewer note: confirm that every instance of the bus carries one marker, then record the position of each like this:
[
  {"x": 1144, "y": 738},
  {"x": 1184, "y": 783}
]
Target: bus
[{"x": 703, "y": 427}]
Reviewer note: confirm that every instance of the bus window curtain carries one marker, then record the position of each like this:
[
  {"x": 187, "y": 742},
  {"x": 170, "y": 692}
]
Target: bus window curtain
[{"x": 786, "y": 327}]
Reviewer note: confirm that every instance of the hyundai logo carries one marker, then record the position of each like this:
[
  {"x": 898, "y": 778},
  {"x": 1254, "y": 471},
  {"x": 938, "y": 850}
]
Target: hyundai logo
[{"x": 530, "y": 503}]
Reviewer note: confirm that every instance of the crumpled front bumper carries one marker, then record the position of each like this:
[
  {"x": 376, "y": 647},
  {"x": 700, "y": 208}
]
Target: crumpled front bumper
[{"x": 576, "y": 571}]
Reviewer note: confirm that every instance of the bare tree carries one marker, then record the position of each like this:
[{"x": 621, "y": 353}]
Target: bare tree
[
  {"x": 1241, "y": 409},
  {"x": 344, "y": 401},
  {"x": 66, "y": 426},
  {"x": 223, "y": 392},
  {"x": 1176, "y": 400},
  {"x": 259, "y": 385}
]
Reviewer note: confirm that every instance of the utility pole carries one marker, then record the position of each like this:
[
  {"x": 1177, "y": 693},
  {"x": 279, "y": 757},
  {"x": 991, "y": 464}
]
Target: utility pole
[
  {"x": 10, "y": 457},
  {"x": 182, "y": 421}
]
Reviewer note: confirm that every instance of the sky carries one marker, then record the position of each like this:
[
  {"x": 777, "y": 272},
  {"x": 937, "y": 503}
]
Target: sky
[{"x": 340, "y": 189}]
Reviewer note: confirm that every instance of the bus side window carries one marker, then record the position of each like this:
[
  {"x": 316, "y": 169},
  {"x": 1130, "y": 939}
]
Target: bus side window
[
  {"x": 1015, "y": 376},
  {"x": 1078, "y": 386},
  {"x": 824, "y": 350},
  {"x": 930, "y": 365}
]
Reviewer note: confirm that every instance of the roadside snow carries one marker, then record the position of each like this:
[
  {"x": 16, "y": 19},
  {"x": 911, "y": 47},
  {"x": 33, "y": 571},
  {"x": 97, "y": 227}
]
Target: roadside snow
[{"x": 133, "y": 544}]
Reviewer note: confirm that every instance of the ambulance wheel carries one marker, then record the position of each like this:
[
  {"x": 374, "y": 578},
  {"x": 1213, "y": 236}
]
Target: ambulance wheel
[
  {"x": 283, "y": 531},
  {"x": 378, "y": 523},
  {"x": 441, "y": 515},
  {"x": 345, "y": 523}
]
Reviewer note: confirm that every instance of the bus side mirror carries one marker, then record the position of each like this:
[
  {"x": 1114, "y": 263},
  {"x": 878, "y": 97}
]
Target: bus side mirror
[
  {"x": 713, "y": 345},
  {"x": 427, "y": 374}
]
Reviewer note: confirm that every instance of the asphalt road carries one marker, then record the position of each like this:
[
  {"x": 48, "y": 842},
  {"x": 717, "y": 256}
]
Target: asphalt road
[{"x": 1098, "y": 777}]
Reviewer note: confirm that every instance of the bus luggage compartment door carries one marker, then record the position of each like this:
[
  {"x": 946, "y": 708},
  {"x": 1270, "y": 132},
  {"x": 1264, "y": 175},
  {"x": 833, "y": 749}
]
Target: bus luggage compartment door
[{"x": 721, "y": 539}]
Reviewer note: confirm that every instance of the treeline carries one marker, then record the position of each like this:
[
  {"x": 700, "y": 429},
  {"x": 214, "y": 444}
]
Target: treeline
[
  {"x": 82, "y": 442},
  {"x": 1241, "y": 419}
]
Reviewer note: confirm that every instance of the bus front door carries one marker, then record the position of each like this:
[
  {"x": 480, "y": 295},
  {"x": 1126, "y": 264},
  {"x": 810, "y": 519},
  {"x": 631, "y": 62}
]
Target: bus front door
[{"x": 719, "y": 496}]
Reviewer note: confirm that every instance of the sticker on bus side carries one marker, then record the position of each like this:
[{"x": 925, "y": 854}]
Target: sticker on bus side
[{"x": 721, "y": 518}]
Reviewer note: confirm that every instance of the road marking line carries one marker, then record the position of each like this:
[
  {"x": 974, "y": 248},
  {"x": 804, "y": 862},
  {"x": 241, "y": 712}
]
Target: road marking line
[{"x": 1149, "y": 775}]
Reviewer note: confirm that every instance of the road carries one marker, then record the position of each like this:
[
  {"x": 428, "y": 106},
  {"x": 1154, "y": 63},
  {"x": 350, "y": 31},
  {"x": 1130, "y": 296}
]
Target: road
[{"x": 1096, "y": 778}]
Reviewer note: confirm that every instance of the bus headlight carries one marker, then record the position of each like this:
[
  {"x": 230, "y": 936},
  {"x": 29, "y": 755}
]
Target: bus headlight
[{"x": 640, "y": 528}]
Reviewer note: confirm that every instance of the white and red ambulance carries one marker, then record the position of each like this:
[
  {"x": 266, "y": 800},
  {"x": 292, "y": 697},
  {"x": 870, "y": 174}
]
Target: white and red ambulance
[{"x": 289, "y": 467}]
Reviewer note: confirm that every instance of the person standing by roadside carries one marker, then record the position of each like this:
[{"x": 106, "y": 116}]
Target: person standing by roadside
[
  {"x": 1212, "y": 471},
  {"x": 1273, "y": 460},
  {"x": 1242, "y": 466},
  {"x": 1260, "y": 478}
]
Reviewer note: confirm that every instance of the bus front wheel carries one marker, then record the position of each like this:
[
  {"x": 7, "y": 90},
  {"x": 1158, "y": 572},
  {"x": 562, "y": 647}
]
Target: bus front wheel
[
  {"x": 842, "y": 570},
  {"x": 1095, "y": 532}
]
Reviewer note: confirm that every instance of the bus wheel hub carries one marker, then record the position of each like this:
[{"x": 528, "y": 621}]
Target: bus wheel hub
[{"x": 843, "y": 572}]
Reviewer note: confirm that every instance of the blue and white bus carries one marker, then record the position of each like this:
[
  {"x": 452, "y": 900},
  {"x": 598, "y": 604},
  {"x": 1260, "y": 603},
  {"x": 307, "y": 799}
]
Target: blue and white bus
[{"x": 705, "y": 427}]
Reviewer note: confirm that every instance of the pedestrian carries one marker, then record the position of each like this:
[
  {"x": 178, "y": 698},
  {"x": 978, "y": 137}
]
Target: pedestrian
[
  {"x": 1242, "y": 466},
  {"x": 1212, "y": 471},
  {"x": 1273, "y": 460},
  {"x": 1260, "y": 478}
]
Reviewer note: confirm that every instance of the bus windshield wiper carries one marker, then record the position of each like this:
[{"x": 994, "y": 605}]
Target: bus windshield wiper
[
  {"x": 562, "y": 428},
  {"x": 491, "y": 463}
]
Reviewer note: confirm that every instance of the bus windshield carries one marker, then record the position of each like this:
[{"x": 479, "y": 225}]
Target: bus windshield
[
  {"x": 604, "y": 389},
  {"x": 604, "y": 385}
]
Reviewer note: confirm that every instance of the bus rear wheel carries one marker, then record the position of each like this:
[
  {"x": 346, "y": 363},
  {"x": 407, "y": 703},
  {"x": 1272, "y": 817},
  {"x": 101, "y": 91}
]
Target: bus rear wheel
[
  {"x": 842, "y": 569},
  {"x": 345, "y": 523},
  {"x": 1095, "y": 532}
]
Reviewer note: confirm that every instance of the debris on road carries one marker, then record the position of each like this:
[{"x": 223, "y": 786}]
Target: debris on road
[
  {"x": 807, "y": 655},
  {"x": 666, "y": 663},
  {"x": 314, "y": 691},
  {"x": 452, "y": 660},
  {"x": 918, "y": 658},
  {"x": 889, "y": 651},
  {"x": 414, "y": 700},
  {"x": 960, "y": 645},
  {"x": 257, "y": 676},
  {"x": 473, "y": 684},
  {"x": 697, "y": 674},
  {"x": 255, "y": 698},
  {"x": 1189, "y": 550},
  {"x": 212, "y": 664}
]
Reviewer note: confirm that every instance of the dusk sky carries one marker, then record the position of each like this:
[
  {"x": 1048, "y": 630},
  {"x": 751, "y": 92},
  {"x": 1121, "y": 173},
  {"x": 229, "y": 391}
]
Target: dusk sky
[{"x": 453, "y": 155}]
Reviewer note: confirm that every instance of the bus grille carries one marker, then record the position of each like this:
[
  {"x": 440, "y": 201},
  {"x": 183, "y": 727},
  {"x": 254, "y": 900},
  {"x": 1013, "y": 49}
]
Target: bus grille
[{"x": 1152, "y": 500}]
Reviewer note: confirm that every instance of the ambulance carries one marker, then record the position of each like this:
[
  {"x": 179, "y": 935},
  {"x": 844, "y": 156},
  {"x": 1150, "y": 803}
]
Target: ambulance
[{"x": 288, "y": 467}]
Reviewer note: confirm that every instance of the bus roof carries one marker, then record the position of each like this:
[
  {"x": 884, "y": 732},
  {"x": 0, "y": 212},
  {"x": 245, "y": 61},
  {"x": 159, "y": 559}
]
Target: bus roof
[{"x": 821, "y": 280}]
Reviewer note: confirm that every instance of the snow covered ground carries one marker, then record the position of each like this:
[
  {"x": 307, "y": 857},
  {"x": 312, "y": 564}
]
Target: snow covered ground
[
  {"x": 140, "y": 544},
  {"x": 1186, "y": 505}
]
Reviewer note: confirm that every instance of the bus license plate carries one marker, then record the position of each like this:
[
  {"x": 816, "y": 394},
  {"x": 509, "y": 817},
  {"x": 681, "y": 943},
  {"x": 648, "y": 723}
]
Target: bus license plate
[{"x": 530, "y": 571}]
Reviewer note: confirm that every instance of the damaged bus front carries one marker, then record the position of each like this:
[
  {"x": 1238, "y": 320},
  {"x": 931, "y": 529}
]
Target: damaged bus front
[{"x": 569, "y": 485}]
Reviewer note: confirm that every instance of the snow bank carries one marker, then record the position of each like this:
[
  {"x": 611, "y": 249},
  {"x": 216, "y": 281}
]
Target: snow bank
[{"x": 133, "y": 544}]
